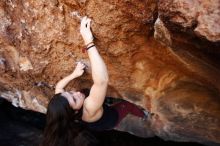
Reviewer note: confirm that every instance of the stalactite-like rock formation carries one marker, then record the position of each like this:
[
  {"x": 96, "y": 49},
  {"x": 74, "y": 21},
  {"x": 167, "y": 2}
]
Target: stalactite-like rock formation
[{"x": 161, "y": 55}]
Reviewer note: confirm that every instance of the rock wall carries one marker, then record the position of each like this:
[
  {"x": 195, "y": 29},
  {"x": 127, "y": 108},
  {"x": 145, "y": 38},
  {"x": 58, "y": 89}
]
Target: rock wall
[{"x": 162, "y": 55}]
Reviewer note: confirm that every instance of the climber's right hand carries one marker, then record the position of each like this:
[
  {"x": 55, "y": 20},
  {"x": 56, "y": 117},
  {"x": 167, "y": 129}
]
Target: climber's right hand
[{"x": 85, "y": 30}]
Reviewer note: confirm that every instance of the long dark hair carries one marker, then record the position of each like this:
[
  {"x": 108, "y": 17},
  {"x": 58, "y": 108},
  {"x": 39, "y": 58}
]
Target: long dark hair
[{"x": 62, "y": 124}]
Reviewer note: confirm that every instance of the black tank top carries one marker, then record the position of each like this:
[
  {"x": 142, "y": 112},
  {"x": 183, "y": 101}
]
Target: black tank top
[{"x": 108, "y": 120}]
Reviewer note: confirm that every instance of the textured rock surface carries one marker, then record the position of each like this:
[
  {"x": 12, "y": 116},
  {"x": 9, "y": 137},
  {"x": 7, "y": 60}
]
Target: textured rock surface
[{"x": 161, "y": 55}]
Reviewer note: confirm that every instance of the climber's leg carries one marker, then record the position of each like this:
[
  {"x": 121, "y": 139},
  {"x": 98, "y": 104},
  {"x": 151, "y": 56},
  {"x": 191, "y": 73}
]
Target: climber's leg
[{"x": 124, "y": 108}]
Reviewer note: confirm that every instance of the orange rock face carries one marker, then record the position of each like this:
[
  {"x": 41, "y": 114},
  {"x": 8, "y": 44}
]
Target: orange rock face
[{"x": 161, "y": 55}]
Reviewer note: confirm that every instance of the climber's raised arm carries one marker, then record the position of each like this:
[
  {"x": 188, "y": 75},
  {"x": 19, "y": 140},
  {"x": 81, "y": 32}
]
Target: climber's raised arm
[
  {"x": 92, "y": 109},
  {"x": 78, "y": 71}
]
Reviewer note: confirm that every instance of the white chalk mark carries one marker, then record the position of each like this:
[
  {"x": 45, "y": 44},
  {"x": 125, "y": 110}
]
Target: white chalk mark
[{"x": 76, "y": 14}]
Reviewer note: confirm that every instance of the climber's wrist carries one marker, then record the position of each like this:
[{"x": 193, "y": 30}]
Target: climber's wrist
[
  {"x": 89, "y": 44},
  {"x": 86, "y": 42}
]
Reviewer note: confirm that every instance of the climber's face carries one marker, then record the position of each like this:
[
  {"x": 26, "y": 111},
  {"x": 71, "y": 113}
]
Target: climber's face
[{"x": 75, "y": 99}]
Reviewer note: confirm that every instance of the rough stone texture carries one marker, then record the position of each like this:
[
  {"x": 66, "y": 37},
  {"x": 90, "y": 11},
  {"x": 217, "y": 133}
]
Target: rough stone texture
[
  {"x": 177, "y": 80},
  {"x": 202, "y": 16}
]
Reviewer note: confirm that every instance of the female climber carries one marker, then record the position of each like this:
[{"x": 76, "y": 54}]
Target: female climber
[{"x": 69, "y": 112}]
